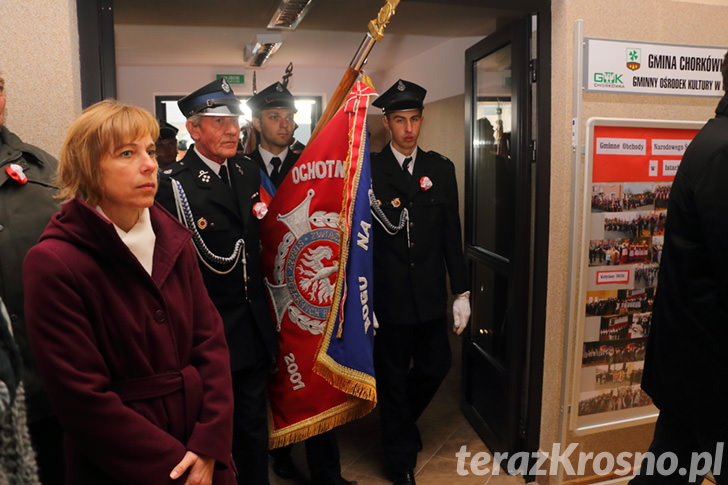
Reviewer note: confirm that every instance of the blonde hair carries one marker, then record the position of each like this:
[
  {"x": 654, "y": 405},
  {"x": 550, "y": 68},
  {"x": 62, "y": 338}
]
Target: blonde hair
[{"x": 100, "y": 129}]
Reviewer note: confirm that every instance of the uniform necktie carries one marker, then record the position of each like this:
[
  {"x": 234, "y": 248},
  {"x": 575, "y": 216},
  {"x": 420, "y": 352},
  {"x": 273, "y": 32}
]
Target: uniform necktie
[
  {"x": 224, "y": 175},
  {"x": 276, "y": 162},
  {"x": 405, "y": 167}
]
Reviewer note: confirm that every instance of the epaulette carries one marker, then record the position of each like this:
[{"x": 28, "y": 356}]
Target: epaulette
[
  {"x": 174, "y": 169},
  {"x": 433, "y": 152}
]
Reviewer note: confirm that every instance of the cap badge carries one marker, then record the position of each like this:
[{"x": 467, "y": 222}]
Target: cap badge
[
  {"x": 396, "y": 202},
  {"x": 16, "y": 173},
  {"x": 201, "y": 223},
  {"x": 279, "y": 88},
  {"x": 224, "y": 85},
  {"x": 401, "y": 86},
  {"x": 204, "y": 175}
]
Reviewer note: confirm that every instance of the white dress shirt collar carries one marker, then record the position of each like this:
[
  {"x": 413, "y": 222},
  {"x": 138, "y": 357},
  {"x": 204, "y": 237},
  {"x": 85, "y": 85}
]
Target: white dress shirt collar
[
  {"x": 214, "y": 166},
  {"x": 268, "y": 156},
  {"x": 400, "y": 158}
]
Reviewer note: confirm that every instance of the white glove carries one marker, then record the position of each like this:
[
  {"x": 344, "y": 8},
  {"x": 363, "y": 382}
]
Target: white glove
[{"x": 461, "y": 312}]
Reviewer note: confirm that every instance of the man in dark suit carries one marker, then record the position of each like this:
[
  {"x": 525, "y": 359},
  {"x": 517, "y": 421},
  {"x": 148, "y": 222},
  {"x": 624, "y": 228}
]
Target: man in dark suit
[
  {"x": 215, "y": 196},
  {"x": 416, "y": 238},
  {"x": 685, "y": 356},
  {"x": 273, "y": 109}
]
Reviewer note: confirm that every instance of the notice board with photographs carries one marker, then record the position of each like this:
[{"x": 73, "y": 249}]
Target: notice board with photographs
[{"x": 629, "y": 169}]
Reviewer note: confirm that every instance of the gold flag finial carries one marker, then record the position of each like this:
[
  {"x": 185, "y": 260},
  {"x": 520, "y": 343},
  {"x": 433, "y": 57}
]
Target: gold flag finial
[{"x": 376, "y": 26}]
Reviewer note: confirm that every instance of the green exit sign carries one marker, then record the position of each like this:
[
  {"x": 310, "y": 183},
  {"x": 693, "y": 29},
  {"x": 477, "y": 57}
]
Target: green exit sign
[{"x": 233, "y": 78}]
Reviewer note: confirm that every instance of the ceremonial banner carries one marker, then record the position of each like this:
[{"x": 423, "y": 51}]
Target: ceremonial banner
[{"x": 317, "y": 263}]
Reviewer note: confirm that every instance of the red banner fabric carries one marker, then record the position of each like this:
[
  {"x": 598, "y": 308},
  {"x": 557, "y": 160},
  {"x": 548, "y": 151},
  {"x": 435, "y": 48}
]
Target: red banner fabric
[{"x": 302, "y": 236}]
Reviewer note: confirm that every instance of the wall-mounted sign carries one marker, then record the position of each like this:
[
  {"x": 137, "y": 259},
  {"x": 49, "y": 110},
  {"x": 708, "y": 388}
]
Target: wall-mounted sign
[{"x": 626, "y": 67}]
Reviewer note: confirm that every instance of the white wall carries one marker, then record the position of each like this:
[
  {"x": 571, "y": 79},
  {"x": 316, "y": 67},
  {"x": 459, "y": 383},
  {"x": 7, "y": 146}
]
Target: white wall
[
  {"x": 139, "y": 85},
  {"x": 440, "y": 70}
]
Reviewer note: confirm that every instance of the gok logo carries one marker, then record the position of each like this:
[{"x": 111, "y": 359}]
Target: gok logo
[{"x": 608, "y": 78}]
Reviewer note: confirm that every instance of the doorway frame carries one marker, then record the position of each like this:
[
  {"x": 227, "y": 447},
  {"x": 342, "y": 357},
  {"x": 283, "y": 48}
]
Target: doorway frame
[{"x": 531, "y": 402}]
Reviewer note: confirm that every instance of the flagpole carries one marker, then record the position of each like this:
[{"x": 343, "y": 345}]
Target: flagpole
[{"x": 375, "y": 34}]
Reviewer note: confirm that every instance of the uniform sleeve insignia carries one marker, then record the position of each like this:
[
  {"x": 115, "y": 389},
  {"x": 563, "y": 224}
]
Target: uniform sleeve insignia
[
  {"x": 396, "y": 202},
  {"x": 201, "y": 223}
]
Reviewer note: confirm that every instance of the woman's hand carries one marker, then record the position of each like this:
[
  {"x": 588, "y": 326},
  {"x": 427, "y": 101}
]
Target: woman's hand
[{"x": 200, "y": 473}]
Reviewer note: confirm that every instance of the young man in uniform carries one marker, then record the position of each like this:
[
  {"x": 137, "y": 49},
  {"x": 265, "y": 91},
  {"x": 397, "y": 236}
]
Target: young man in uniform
[
  {"x": 216, "y": 196},
  {"x": 273, "y": 109},
  {"x": 411, "y": 350}
]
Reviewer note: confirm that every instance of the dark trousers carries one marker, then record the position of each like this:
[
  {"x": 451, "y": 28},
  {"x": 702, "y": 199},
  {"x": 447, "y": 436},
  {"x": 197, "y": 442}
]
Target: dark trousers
[
  {"x": 250, "y": 424},
  {"x": 685, "y": 439},
  {"x": 322, "y": 456},
  {"x": 47, "y": 438},
  {"x": 410, "y": 361}
]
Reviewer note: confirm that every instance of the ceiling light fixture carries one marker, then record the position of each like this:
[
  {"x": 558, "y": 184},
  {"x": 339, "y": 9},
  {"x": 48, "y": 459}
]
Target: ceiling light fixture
[
  {"x": 289, "y": 14},
  {"x": 265, "y": 46}
]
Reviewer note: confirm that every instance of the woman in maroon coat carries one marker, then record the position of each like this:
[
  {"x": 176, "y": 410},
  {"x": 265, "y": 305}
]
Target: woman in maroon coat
[{"x": 130, "y": 346}]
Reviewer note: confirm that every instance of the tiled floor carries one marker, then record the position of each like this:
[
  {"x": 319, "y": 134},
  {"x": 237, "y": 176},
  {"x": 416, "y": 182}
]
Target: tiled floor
[{"x": 443, "y": 428}]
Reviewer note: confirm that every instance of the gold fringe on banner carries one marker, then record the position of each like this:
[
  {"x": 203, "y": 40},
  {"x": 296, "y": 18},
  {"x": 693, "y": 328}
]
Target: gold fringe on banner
[{"x": 353, "y": 409}]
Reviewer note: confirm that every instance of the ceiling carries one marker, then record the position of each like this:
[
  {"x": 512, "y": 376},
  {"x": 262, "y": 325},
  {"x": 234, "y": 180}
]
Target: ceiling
[{"x": 214, "y": 32}]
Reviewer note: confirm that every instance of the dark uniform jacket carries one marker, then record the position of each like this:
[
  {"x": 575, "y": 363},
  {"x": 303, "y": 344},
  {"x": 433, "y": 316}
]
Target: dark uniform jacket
[
  {"x": 409, "y": 282},
  {"x": 136, "y": 364},
  {"x": 222, "y": 216},
  {"x": 686, "y": 351},
  {"x": 286, "y": 166},
  {"x": 24, "y": 212}
]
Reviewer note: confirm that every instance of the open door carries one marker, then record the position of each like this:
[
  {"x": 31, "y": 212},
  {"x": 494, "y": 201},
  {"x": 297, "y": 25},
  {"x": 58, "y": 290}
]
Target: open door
[{"x": 499, "y": 237}]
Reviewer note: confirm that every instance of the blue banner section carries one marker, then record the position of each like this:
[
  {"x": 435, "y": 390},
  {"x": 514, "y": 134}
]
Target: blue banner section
[{"x": 354, "y": 349}]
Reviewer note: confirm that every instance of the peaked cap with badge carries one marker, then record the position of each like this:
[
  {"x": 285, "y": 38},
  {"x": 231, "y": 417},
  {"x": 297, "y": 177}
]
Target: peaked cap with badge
[
  {"x": 274, "y": 96},
  {"x": 167, "y": 131},
  {"x": 402, "y": 96},
  {"x": 213, "y": 99}
]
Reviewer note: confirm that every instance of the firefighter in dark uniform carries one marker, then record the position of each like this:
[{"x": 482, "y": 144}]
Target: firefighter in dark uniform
[
  {"x": 273, "y": 109},
  {"x": 166, "y": 145},
  {"x": 416, "y": 239},
  {"x": 215, "y": 196}
]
